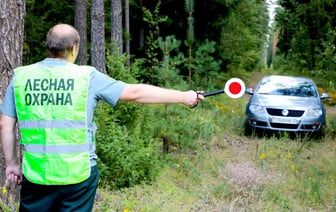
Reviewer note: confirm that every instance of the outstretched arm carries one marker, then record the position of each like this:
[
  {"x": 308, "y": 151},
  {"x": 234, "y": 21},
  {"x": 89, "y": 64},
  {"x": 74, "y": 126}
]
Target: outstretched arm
[
  {"x": 149, "y": 94},
  {"x": 8, "y": 144}
]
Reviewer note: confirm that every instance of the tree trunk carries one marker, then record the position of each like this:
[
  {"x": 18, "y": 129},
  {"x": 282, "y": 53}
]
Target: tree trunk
[
  {"x": 81, "y": 26},
  {"x": 116, "y": 26},
  {"x": 98, "y": 35},
  {"x": 12, "y": 13}
]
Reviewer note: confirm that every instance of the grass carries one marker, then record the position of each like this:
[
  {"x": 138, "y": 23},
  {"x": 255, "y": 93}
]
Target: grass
[
  {"x": 236, "y": 173},
  {"x": 233, "y": 172}
]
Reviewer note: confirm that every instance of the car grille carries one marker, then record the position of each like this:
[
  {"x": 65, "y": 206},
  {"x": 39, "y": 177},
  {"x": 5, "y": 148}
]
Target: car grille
[
  {"x": 285, "y": 126},
  {"x": 278, "y": 112}
]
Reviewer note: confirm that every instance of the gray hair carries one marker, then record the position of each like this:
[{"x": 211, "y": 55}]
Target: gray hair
[{"x": 60, "y": 40}]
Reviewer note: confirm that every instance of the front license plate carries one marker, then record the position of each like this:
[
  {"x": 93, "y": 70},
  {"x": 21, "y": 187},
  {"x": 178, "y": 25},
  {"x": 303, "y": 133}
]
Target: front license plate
[{"x": 284, "y": 120}]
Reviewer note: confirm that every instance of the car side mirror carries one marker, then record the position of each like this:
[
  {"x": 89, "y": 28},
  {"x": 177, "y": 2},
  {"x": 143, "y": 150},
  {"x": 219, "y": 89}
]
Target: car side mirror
[
  {"x": 324, "y": 96},
  {"x": 249, "y": 91}
]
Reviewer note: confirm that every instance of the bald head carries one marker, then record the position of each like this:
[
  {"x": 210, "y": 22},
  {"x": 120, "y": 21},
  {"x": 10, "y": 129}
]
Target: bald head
[{"x": 61, "y": 39}]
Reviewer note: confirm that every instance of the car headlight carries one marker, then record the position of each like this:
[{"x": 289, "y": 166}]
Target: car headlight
[
  {"x": 256, "y": 108},
  {"x": 314, "y": 112}
]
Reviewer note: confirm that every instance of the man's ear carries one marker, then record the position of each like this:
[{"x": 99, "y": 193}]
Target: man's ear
[{"x": 74, "y": 50}]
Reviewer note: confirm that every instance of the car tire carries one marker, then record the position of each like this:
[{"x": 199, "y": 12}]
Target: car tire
[
  {"x": 319, "y": 135},
  {"x": 248, "y": 128}
]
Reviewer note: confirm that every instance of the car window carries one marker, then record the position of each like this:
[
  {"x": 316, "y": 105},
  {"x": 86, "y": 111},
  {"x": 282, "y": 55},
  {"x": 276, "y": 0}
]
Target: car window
[{"x": 287, "y": 88}]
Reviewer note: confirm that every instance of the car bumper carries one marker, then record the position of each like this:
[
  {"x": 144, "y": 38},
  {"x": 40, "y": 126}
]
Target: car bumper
[{"x": 286, "y": 124}]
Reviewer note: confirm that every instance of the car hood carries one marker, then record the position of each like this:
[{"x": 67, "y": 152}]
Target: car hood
[{"x": 288, "y": 101}]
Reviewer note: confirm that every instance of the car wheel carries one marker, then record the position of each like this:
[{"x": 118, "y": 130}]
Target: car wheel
[
  {"x": 319, "y": 135},
  {"x": 248, "y": 128}
]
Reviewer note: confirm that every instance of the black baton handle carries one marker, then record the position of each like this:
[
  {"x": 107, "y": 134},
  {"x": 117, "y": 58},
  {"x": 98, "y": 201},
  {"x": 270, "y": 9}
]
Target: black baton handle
[
  {"x": 208, "y": 94},
  {"x": 213, "y": 93}
]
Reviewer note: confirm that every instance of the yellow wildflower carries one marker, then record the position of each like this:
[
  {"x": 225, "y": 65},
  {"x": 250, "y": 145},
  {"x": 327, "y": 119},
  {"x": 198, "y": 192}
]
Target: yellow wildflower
[
  {"x": 292, "y": 166},
  {"x": 289, "y": 155},
  {"x": 262, "y": 156},
  {"x": 4, "y": 189}
]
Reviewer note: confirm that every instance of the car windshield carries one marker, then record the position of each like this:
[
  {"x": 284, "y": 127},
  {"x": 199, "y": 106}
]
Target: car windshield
[{"x": 287, "y": 87}]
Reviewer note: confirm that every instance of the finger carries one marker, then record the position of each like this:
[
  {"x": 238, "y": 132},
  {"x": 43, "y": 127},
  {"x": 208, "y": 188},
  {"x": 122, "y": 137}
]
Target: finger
[
  {"x": 9, "y": 178},
  {"x": 13, "y": 178},
  {"x": 192, "y": 106},
  {"x": 19, "y": 180},
  {"x": 200, "y": 95}
]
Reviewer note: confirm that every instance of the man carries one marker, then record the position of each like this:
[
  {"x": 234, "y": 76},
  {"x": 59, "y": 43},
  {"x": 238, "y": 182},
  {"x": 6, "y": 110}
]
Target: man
[{"x": 53, "y": 102}]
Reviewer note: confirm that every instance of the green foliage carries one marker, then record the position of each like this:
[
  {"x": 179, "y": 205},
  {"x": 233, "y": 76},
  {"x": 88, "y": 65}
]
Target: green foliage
[
  {"x": 153, "y": 19},
  {"x": 41, "y": 15},
  {"x": 158, "y": 20},
  {"x": 331, "y": 127},
  {"x": 243, "y": 36},
  {"x": 127, "y": 152},
  {"x": 207, "y": 67},
  {"x": 190, "y": 37},
  {"x": 168, "y": 73},
  {"x": 189, "y": 7},
  {"x": 326, "y": 63},
  {"x": 204, "y": 65},
  {"x": 181, "y": 127},
  {"x": 129, "y": 135},
  {"x": 307, "y": 36}
]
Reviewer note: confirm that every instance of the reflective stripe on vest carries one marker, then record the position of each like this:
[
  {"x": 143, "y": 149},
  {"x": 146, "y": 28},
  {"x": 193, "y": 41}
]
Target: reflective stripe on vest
[
  {"x": 51, "y": 109},
  {"x": 52, "y": 124}
]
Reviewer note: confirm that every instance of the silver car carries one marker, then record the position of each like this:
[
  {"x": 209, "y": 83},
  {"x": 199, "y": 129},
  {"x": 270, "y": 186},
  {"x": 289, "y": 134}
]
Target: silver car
[{"x": 286, "y": 103}]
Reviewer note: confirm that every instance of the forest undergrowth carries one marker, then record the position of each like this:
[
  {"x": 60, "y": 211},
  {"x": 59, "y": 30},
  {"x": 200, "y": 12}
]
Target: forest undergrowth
[{"x": 235, "y": 172}]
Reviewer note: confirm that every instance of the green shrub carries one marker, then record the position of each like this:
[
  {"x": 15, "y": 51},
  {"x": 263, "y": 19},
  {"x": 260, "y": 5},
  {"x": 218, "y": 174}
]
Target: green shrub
[
  {"x": 128, "y": 153},
  {"x": 331, "y": 127},
  {"x": 181, "y": 127}
]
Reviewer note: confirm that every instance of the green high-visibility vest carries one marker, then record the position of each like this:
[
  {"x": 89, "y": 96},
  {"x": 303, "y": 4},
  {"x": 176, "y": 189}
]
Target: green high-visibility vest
[{"x": 51, "y": 110}]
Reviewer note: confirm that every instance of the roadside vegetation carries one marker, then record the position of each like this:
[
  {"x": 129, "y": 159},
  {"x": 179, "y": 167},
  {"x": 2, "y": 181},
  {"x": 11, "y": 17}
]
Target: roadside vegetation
[
  {"x": 173, "y": 158},
  {"x": 227, "y": 171}
]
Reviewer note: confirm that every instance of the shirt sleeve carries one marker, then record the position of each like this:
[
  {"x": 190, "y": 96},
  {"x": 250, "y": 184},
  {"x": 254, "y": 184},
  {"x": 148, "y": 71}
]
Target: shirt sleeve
[
  {"x": 8, "y": 104},
  {"x": 106, "y": 88}
]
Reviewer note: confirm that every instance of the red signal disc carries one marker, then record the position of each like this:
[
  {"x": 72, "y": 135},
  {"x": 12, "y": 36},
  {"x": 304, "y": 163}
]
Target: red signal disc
[{"x": 234, "y": 88}]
